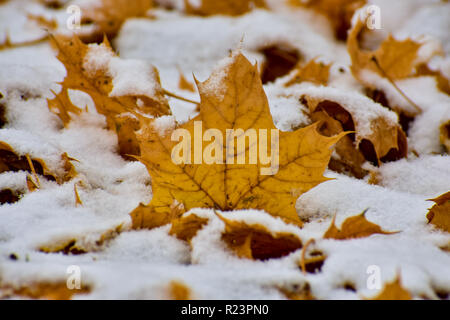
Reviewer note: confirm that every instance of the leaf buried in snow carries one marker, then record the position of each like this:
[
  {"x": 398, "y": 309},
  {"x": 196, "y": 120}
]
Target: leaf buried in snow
[
  {"x": 313, "y": 71},
  {"x": 439, "y": 214},
  {"x": 393, "y": 291},
  {"x": 255, "y": 241},
  {"x": 354, "y": 227}
]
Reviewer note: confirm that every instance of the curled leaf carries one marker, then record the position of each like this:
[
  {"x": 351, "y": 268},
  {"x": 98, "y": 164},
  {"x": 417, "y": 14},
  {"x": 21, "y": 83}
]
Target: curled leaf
[
  {"x": 255, "y": 241},
  {"x": 439, "y": 214}
]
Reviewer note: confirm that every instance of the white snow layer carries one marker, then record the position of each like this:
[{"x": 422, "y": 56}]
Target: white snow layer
[{"x": 140, "y": 264}]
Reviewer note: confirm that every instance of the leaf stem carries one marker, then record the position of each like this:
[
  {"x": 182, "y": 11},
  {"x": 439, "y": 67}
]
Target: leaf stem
[
  {"x": 374, "y": 59},
  {"x": 173, "y": 95}
]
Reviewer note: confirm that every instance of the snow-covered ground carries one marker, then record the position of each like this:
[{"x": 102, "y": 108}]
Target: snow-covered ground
[{"x": 140, "y": 264}]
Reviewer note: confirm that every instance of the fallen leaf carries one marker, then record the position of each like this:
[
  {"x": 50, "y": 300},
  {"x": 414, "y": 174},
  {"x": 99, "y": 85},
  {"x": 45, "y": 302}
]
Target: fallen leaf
[
  {"x": 223, "y": 7},
  {"x": 313, "y": 71},
  {"x": 107, "y": 16},
  {"x": 11, "y": 160},
  {"x": 393, "y": 291},
  {"x": 297, "y": 292},
  {"x": 439, "y": 214},
  {"x": 179, "y": 291},
  {"x": 445, "y": 135},
  {"x": 9, "y": 196},
  {"x": 354, "y": 227},
  {"x": 232, "y": 98},
  {"x": 81, "y": 246},
  {"x": 43, "y": 290},
  {"x": 385, "y": 142},
  {"x": 338, "y": 12},
  {"x": 89, "y": 74},
  {"x": 350, "y": 157},
  {"x": 186, "y": 227},
  {"x": 443, "y": 83},
  {"x": 184, "y": 84},
  {"x": 396, "y": 58},
  {"x": 255, "y": 241}
]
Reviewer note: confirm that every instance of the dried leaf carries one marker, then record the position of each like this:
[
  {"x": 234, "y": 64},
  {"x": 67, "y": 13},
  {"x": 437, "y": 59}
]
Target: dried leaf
[
  {"x": 81, "y": 246},
  {"x": 255, "y": 241},
  {"x": 10, "y": 160},
  {"x": 297, "y": 292},
  {"x": 120, "y": 111},
  {"x": 397, "y": 59},
  {"x": 445, "y": 135},
  {"x": 232, "y": 98},
  {"x": 223, "y": 7},
  {"x": 107, "y": 16},
  {"x": 184, "y": 84},
  {"x": 313, "y": 71},
  {"x": 386, "y": 141},
  {"x": 179, "y": 291},
  {"x": 393, "y": 291},
  {"x": 43, "y": 290},
  {"x": 186, "y": 227},
  {"x": 354, "y": 227},
  {"x": 439, "y": 214}
]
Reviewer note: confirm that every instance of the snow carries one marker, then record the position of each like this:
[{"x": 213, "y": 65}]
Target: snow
[{"x": 141, "y": 264}]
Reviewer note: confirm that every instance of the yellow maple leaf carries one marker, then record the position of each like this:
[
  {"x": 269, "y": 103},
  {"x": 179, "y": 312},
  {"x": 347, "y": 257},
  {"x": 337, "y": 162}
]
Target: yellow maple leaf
[
  {"x": 98, "y": 84},
  {"x": 233, "y": 103},
  {"x": 439, "y": 214},
  {"x": 353, "y": 227},
  {"x": 224, "y": 7},
  {"x": 394, "y": 59},
  {"x": 313, "y": 71}
]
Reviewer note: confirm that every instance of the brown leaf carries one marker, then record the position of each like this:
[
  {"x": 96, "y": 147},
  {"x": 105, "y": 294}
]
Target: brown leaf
[
  {"x": 255, "y": 241},
  {"x": 186, "y": 227},
  {"x": 184, "y": 84},
  {"x": 42, "y": 290},
  {"x": 107, "y": 16},
  {"x": 386, "y": 142},
  {"x": 231, "y": 99},
  {"x": 223, "y": 7},
  {"x": 179, "y": 291},
  {"x": 393, "y": 291},
  {"x": 122, "y": 111},
  {"x": 353, "y": 227},
  {"x": 397, "y": 59},
  {"x": 439, "y": 214},
  {"x": 315, "y": 72},
  {"x": 445, "y": 135},
  {"x": 10, "y": 160}
]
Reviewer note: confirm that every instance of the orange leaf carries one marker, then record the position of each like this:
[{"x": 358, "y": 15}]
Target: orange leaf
[
  {"x": 439, "y": 214},
  {"x": 353, "y": 227}
]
